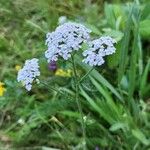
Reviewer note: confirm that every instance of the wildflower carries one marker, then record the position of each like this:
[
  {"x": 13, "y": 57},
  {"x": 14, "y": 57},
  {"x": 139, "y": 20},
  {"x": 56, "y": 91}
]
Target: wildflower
[
  {"x": 98, "y": 49},
  {"x": 62, "y": 20},
  {"x": 65, "y": 39},
  {"x": 52, "y": 66},
  {"x": 62, "y": 73},
  {"x": 28, "y": 73},
  {"x": 2, "y": 89},
  {"x": 17, "y": 67}
]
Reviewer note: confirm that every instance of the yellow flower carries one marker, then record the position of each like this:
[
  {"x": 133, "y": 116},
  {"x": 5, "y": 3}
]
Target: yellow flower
[
  {"x": 2, "y": 89},
  {"x": 17, "y": 67},
  {"x": 63, "y": 73}
]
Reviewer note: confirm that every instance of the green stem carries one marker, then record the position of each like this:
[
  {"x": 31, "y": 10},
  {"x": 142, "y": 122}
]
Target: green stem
[
  {"x": 78, "y": 102},
  {"x": 89, "y": 71}
]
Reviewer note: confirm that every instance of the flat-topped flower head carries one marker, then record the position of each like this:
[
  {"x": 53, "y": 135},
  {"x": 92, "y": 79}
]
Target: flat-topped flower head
[
  {"x": 29, "y": 73},
  {"x": 65, "y": 39},
  {"x": 98, "y": 49}
]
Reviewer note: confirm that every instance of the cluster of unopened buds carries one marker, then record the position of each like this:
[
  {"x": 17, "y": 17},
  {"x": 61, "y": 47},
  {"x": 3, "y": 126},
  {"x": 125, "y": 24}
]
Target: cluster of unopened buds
[{"x": 65, "y": 40}]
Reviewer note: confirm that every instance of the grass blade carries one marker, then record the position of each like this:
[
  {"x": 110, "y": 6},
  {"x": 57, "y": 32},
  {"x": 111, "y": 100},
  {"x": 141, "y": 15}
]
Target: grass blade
[
  {"x": 96, "y": 75},
  {"x": 125, "y": 45}
]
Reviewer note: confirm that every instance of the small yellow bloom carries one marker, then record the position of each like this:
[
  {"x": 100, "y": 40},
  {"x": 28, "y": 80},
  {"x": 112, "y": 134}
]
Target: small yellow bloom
[
  {"x": 2, "y": 89},
  {"x": 17, "y": 67},
  {"x": 63, "y": 73}
]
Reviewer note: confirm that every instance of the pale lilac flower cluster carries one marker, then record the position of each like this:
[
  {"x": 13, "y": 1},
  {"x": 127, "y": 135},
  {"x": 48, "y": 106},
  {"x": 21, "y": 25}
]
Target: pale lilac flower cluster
[
  {"x": 98, "y": 49},
  {"x": 65, "y": 39},
  {"x": 29, "y": 73}
]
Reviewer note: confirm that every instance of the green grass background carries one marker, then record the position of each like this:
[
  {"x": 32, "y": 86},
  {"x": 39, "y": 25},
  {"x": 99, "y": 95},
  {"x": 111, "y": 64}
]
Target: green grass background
[{"x": 115, "y": 97}]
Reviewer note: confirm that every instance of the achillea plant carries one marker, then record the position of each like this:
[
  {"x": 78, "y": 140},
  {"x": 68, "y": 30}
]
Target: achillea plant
[
  {"x": 65, "y": 40},
  {"x": 63, "y": 43}
]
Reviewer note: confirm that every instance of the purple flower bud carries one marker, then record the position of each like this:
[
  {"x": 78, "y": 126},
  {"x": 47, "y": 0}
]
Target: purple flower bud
[
  {"x": 97, "y": 148},
  {"x": 52, "y": 66}
]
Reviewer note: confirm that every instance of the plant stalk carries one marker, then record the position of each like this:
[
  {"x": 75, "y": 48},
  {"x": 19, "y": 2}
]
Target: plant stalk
[
  {"x": 89, "y": 71},
  {"x": 77, "y": 84}
]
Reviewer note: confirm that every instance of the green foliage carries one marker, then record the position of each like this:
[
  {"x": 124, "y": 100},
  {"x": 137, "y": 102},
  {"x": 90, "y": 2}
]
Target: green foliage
[{"x": 115, "y": 97}]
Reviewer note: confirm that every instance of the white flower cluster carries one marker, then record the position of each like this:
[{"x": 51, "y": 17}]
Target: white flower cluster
[
  {"x": 28, "y": 73},
  {"x": 98, "y": 49},
  {"x": 65, "y": 39}
]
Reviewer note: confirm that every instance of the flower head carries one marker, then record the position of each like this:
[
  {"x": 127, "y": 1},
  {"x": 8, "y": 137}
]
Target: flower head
[
  {"x": 98, "y": 49},
  {"x": 29, "y": 73},
  {"x": 65, "y": 39},
  {"x": 2, "y": 89}
]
